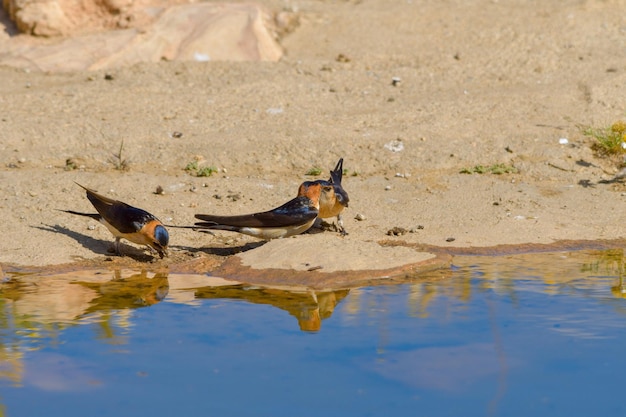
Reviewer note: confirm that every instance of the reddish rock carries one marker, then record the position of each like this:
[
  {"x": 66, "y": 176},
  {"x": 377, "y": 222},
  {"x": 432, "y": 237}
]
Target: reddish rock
[{"x": 190, "y": 32}]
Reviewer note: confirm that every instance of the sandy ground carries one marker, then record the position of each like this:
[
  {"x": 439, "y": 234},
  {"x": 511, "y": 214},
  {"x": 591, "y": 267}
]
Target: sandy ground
[{"x": 477, "y": 83}]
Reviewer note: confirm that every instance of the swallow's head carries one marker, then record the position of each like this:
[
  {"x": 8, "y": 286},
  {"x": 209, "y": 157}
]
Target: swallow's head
[
  {"x": 342, "y": 195},
  {"x": 161, "y": 240},
  {"x": 328, "y": 195}
]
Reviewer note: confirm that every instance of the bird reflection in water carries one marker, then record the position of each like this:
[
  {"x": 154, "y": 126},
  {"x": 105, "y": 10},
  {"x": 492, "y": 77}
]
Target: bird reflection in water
[{"x": 307, "y": 306}]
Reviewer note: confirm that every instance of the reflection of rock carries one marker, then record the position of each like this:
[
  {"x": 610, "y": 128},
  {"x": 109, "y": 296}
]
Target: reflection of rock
[
  {"x": 308, "y": 307},
  {"x": 53, "y": 372},
  {"x": 52, "y": 300},
  {"x": 191, "y": 32}
]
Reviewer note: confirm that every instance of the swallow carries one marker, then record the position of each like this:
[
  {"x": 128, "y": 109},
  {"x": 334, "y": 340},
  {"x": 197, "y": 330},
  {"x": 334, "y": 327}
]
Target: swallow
[
  {"x": 292, "y": 218},
  {"x": 332, "y": 204},
  {"x": 127, "y": 222}
]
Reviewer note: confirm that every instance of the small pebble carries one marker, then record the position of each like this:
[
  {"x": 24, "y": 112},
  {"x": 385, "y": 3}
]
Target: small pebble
[
  {"x": 360, "y": 217},
  {"x": 159, "y": 190},
  {"x": 388, "y": 187},
  {"x": 450, "y": 239}
]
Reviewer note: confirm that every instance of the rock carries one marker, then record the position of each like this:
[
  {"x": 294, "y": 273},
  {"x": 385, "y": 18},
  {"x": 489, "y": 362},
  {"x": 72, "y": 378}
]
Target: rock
[
  {"x": 190, "y": 32},
  {"x": 40, "y": 18},
  {"x": 330, "y": 254},
  {"x": 326, "y": 261}
]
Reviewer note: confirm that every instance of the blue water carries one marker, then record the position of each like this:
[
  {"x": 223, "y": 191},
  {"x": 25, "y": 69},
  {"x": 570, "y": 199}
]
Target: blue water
[{"x": 526, "y": 335}]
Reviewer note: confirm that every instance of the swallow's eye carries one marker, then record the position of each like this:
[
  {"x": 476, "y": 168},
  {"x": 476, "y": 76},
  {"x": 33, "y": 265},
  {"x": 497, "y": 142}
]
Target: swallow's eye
[{"x": 328, "y": 188}]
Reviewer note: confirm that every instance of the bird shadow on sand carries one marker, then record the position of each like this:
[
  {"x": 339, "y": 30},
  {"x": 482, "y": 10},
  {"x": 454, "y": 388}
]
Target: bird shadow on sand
[
  {"x": 103, "y": 247},
  {"x": 219, "y": 249}
]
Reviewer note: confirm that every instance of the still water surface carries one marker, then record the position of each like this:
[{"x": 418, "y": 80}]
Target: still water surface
[{"x": 524, "y": 335}]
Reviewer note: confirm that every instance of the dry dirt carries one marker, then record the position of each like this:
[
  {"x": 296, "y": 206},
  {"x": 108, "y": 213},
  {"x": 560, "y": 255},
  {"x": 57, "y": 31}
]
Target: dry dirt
[{"x": 477, "y": 82}]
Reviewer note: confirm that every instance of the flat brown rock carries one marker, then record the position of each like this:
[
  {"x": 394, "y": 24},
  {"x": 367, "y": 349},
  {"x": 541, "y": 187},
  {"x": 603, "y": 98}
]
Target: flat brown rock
[
  {"x": 324, "y": 261},
  {"x": 329, "y": 253}
]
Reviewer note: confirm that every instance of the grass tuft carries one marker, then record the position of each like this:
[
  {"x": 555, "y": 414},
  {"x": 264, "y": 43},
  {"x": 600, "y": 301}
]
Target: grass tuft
[
  {"x": 609, "y": 141},
  {"x": 119, "y": 162}
]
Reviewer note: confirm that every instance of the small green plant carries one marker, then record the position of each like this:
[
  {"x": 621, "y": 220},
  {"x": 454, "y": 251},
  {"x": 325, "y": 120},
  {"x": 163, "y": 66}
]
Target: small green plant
[
  {"x": 194, "y": 169},
  {"x": 206, "y": 171},
  {"x": 119, "y": 162},
  {"x": 609, "y": 141},
  {"x": 314, "y": 171},
  {"x": 192, "y": 166},
  {"x": 496, "y": 169}
]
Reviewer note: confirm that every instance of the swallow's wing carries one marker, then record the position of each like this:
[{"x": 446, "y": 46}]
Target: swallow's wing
[
  {"x": 295, "y": 212},
  {"x": 123, "y": 217}
]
